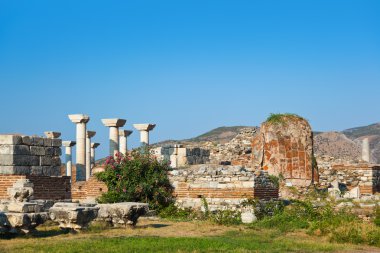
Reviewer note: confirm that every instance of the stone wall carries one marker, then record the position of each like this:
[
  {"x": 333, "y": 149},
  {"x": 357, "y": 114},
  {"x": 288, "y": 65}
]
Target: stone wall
[
  {"x": 235, "y": 152},
  {"x": 363, "y": 178},
  {"x": 180, "y": 156},
  {"x": 221, "y": 186},
  {"x": 285, "y": 147},
  {"x": 88, "y": 190},
  {"x": 29, "y": 155},
  {"x": 48, "y": 188}
]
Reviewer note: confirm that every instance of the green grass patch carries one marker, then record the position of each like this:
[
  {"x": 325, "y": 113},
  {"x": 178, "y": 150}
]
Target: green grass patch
[{"x": 252, "y": 241}]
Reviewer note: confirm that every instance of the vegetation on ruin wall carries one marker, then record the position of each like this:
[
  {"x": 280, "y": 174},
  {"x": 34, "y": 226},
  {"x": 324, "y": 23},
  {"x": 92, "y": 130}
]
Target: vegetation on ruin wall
[
  {"x": 137, "y": 177},
  {"x": 282, "y": 118}
]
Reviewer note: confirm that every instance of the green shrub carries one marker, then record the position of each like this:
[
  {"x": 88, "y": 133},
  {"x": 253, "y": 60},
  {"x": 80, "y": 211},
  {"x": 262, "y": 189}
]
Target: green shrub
[
  {"x": 137, "y": 177},
  {"x": 226, "y": 217},
  {"x": 172, "y": 212},
  {"x": 376, "y": 218},
  {"x": 280, "y": 118},
  {"x": 264, "y": 208}
]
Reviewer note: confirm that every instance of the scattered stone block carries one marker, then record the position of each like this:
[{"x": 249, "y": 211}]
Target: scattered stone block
[
  {"x": 72, "y": 216},
  {"x": 121, "y": 214}
]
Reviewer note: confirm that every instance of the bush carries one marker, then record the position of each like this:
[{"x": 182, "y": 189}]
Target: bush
[
  {"x": 225, "y": 217},
  {"x": 137, "y": 177},
  {"x": 172, "y": 212}
]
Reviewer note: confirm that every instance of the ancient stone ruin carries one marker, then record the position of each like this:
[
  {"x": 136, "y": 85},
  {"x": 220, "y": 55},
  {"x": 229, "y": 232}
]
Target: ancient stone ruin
[
  {"x": 285, "y": 148},
  {"x": 19, "y": 215}
]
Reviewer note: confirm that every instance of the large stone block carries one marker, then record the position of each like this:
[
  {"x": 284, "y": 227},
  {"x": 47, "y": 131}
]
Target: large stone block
[
  {"x": 36, "y": 150},
  {"x": 56, "y": 142},
  {"x": 47, "y": 142},
  {"x": 49, "y": 151},
  {"x": 51, "y": 171},
  {"x": 26, "y": 140},
  {"x": 15, "y": 170},
  {"x": 8, "y": 149},
  {"x": 19, "y": 160},
  {"x": 36, "y": 170},
  {"x": 57, "y": 151},
  {"x": 37, "y": 141},
  {"x": 46, "y": 160},
  {"x": 56, "y": 161},
  {"x": 10, "y": 139}
]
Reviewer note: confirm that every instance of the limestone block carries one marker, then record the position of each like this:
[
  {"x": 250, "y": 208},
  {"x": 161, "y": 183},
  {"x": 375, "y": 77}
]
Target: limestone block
[
  {"x": 37, "y": 141},
  {"x": 46, "y": 160},
  {"x": 14, "y": 170},
  {"x": 21, "y": 190},
  {"x": 8, "y": 149},
  {"x": 122, "y": 214},
  {"x": 47, "y": 142},
  {"x": 72, "y": 215},
  {"x": 10, "y": 139},
  {"x": 56, "y": 142},
  {"x": 56, "y": 161},
  {"x": 49, "y": 151},
  {"x": 51, "y": 171},
  {"x": 36, "y": 170},
  {"x": 57, "y": 151},
  {"x": 26, "y": 140},
  {"x": 248, "y": 217},
  {"x": 24, "y": 207},
  {"x": 25, "y": 222},
  {"x": 19, "y": 160},
  {"x": 37, "y": 150}
]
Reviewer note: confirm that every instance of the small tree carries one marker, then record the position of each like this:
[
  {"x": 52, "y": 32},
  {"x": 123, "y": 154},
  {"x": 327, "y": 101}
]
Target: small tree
[{"x": 136, "y": 177}]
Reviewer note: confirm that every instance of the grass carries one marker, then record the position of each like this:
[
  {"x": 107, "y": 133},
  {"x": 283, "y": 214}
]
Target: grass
[
  {"x": 168, "y": 236},
  {"x": 281, "y": 118}
]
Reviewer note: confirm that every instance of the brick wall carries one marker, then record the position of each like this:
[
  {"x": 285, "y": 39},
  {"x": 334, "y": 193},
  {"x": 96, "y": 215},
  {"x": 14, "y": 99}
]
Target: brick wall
[
  {"x": 52, "y": 188},
  {"x": 90, "y": 189},
  {"x": 7, "y": 181},
  {"x": 286, "y": 149},
  {"x": 222, "y": 186}
]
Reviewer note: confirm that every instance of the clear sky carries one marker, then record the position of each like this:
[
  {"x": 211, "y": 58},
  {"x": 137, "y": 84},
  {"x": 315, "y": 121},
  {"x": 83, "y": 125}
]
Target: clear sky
[{"x": 187, "y": 65}]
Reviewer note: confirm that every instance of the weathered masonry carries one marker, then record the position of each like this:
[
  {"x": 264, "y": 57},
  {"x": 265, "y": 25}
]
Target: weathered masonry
[
  {"x": 34, "y": 158},
  {"x": 221, "y": 186}
]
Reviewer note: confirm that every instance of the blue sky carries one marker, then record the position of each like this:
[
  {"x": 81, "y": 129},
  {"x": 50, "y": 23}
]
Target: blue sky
[{"x": 188, "y": 66}]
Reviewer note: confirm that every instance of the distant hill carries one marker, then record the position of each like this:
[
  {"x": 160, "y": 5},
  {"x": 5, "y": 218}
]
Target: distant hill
[
  {"x": 342, "y": 145},
  {"x": 218, "y": 135}
]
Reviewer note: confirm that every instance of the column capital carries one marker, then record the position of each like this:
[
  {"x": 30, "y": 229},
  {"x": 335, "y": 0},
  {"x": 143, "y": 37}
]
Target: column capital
[
  {"x": 69, "y": 143},
  {"x": 52, "y": 134},
  {"x": 125, "y": 133},
  {"x": 114, "y": 122},
  {"x": 90, "y": 134},
  {"x": 79, "y": 118},
  {"x": 144, "y": 127},
  {"x": 95, "y": 145}
]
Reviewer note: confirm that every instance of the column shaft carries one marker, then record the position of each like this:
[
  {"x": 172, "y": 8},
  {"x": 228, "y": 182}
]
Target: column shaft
[
  {"x": 81, "y": 151},
  {"x": 123, "y": 145},
  {"x": 88, "y": 158},
  {"x": 144, "y": 137},
  {"x": 68, "y": 161},
  {"x": 114, "y": 140}
]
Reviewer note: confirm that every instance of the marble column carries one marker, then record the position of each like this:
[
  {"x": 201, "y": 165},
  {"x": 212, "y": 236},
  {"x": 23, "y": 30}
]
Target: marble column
[
  {"x": 93, "y": 147},
  {"x": 123, "y": 141},
  {"x": 89, "y": 135},
  {"x": 68, "y": 153},
  {"x": 114, "y": 125},
  {"x": 366, "y": 155},
  {"x": 80, "y": 120},
  {"x": 144, "y": 132}
]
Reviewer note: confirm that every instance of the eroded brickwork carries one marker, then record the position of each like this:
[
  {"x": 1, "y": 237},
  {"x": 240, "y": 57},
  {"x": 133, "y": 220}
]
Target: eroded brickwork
[
  {"x": 221, "y": 186},
  {"x": 285, "y": 148}
]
